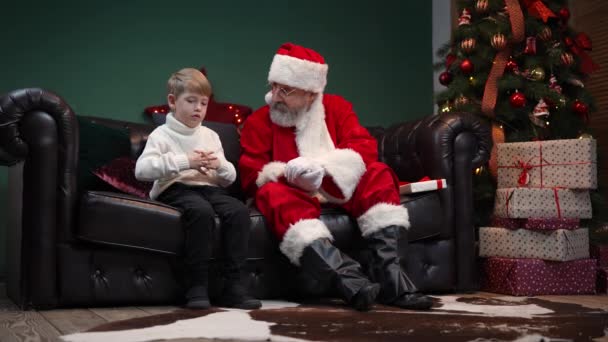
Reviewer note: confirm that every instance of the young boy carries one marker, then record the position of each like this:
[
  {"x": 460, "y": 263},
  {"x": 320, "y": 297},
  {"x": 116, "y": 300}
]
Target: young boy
[{"x": 187, "y": 164}]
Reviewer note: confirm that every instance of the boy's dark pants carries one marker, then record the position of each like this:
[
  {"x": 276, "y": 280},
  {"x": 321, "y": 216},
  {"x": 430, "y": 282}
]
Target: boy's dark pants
[{"x": 198, "y": 205}]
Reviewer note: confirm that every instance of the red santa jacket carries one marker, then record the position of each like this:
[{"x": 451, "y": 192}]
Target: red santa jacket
[{"x": 332, "y": 136}]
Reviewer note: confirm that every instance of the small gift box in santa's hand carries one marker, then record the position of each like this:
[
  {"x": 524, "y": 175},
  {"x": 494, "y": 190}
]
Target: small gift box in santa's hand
[{"x": 425, "y": 184}]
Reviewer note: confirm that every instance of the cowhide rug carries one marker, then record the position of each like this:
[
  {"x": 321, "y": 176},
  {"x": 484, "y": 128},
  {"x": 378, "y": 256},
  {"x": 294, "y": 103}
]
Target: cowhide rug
[{"x": 451, "y": 318}]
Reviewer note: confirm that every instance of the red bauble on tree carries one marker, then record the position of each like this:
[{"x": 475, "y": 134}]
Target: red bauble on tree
[
  {"x": 511, "y": 65},
  {"x": 517, "y": 100},
  {"x": 449, "y": 59},
  {"x": 445, "y": 78},
  {"x": 564, "y": 14},
  {"x": 580, "y": 108},
  {"x": 466, "y": 66}
]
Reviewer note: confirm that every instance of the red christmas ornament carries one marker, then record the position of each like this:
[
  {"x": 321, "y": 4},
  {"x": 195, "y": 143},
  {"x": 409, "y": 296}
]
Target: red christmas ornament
[
  {"x": 449, "y": 59},
  {"x": 530, "y": 48},
  {"x": 564, "y": 14},
  {"x": 580, "y": 108},
  {"x": 445, "y": 78},
  {"x": 517, "y": 100},
  {"x": 511, "y": 65},
  {"x": 466, "y": 66}
]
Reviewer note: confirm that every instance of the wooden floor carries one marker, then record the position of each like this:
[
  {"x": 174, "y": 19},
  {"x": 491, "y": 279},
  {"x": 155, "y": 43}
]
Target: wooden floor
[{"x": 20, "y": 326}]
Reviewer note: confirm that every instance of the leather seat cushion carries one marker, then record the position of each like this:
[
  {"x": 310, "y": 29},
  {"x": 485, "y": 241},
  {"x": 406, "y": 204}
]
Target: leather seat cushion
[{"x": 123, "y": 220}]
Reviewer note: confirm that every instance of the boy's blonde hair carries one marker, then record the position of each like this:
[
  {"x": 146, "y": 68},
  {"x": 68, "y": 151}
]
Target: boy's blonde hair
[{"x": 188, "y": 79}]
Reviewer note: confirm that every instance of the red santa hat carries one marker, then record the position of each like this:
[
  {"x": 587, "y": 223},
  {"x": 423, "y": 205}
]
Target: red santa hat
[{"x": 299, "y": 67}]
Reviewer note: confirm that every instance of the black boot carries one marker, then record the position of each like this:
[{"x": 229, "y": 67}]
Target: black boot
[
  {"x": 235, "y": 294},
  {"x": 384, "y": 267},
  {"x": 197, "y": 297},
  {"x": 323, "y": 261}
]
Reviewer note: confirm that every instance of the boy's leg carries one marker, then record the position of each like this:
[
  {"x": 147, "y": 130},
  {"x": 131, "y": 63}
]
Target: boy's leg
[
  {"x": 235, "y": 227},
  {"x": 197, "y": 221}
]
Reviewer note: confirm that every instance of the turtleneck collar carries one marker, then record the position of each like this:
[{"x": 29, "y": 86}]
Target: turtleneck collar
[{"x": 179, "y": 127}]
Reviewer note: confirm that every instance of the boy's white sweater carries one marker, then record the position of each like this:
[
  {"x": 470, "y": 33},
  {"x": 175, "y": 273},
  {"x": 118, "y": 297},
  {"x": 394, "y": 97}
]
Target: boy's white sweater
[{"x": 165, "y": 157}]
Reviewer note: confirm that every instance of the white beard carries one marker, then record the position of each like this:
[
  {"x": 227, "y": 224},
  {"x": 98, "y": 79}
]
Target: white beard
[
  {"x": 282, "y": 116},
  {"x": 312, "y": 136}
]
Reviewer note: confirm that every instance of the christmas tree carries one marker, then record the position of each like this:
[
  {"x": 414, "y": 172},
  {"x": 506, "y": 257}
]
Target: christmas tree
[{"x": 520, "y": 65}]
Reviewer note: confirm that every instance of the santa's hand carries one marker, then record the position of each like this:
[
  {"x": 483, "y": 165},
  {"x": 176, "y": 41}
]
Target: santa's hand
[{"x": 304, "y": 173}]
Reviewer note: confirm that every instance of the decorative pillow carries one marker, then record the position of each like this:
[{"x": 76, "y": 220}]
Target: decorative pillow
[
  {"x": 99, "y": 144},
  {"x": 120, "y": 173}
]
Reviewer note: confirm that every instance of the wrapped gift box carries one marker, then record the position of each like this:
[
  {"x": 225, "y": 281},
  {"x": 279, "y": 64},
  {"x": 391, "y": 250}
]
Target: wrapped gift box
[
  {"x": 531, "y": 277},
  {"x": 422, "y": 186},
  {"x": 600, "y": 253},
  {"x": 542, "y": 203},
  {"x": 568, "y": 164},
  {"x": 557, "y": 245},
  {"x": 536, "y": 223}
]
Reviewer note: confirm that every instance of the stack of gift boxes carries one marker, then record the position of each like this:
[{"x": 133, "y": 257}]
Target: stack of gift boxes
[{"x": 535, "y": 245}]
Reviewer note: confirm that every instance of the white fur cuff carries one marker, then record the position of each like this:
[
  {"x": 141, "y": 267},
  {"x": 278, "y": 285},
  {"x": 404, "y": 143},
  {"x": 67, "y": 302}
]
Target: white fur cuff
[
  {"x": 301, "y": 234},
  {"x": 298, "y": 73},
  {"x": 381, "y": 216},
  {"x": 270, "y": 173},
  {"x": 346, "y": 167}
]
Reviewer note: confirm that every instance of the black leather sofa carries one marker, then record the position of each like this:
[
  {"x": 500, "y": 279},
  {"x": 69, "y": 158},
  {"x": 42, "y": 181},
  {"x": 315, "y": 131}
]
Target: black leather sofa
[{"x": 69, "y": 247}]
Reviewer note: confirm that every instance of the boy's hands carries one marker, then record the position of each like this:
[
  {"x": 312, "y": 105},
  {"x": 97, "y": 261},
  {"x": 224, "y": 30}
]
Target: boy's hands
[{"x": 203, "y": 161}]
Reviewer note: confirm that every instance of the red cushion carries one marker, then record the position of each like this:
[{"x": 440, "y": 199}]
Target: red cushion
[{"x": 120, "y": 173}]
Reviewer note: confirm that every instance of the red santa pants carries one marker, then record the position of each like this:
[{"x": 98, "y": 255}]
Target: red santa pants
[{"x": 283, "y": 205}]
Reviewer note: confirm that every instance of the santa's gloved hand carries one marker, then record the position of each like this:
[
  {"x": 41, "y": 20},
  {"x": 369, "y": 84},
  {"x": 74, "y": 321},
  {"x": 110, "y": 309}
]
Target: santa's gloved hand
[{"x": 304, "y": 173}]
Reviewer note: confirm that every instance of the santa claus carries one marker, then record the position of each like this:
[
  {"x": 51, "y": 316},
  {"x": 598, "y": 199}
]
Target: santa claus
[{"x": 306, "y": 148}]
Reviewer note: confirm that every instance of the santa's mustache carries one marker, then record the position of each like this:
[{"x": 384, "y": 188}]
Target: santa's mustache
[{"x": 279, "y": 106}]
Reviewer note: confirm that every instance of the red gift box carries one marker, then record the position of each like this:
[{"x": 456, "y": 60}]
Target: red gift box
[
  {"x": 600, "y": 253},
  {"x": 531, "y": 277},
  {"x": 536, "y": 223}
]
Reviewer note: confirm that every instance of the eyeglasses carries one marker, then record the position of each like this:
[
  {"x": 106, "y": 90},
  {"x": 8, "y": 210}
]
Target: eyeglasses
[{"x": 282, "y": 91}]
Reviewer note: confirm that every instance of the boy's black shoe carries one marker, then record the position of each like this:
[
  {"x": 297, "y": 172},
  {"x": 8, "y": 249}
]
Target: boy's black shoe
[
  {"x": 197, "y": 298},
  {"x": 413, "y": 301},
  {"x": 235, "y": 296}
]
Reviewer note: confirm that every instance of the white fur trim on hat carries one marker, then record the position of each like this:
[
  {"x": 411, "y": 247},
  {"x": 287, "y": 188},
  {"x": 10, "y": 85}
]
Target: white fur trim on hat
[
  {"x": 268, "y": 98},
  {"x": 381, "y": 216},
  {"x": 271, "y": 172},
  {"x": 300, "y": 235},
  {"x": 346, "y": 167},
  {"x": 298, "y": 73}
]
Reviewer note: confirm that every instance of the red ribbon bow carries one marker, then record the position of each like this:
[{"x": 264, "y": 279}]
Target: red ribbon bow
[
  {"x": 578, "y": 46},
  {"x": 538, "y": 9},
  {"x": 524, "y": 176}
]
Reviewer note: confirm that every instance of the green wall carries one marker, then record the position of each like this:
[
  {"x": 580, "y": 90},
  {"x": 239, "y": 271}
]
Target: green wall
[{"x": 112, "y": 58}]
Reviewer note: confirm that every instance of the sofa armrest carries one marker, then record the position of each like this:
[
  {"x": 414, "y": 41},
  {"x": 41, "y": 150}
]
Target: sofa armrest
[
  {"x": 446, "y": 146},
  {"x": 39, "y": 141},
  {"x": 427, "y": 147}
]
